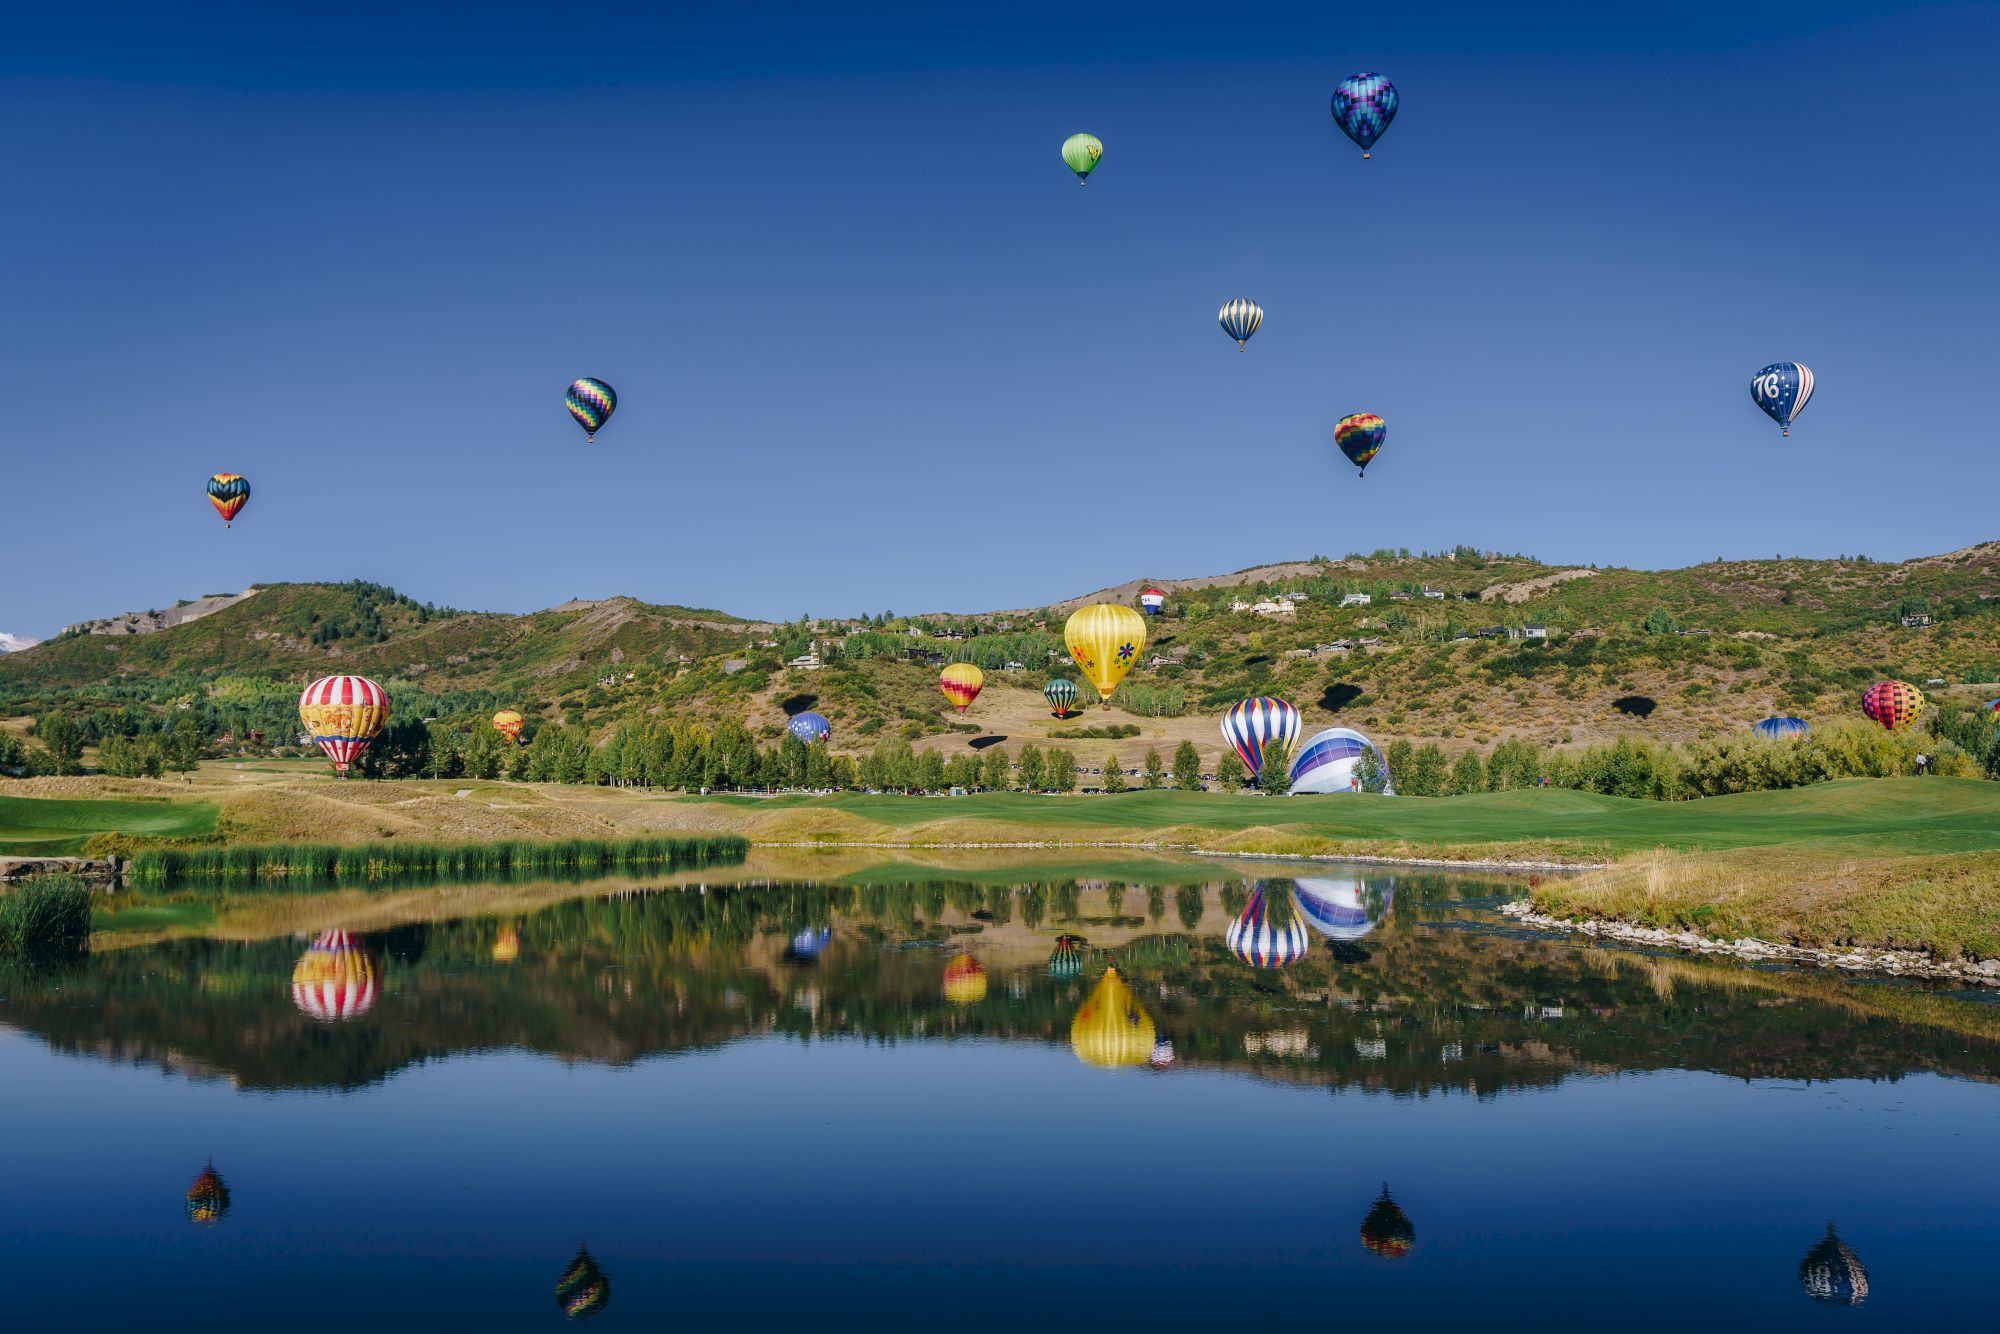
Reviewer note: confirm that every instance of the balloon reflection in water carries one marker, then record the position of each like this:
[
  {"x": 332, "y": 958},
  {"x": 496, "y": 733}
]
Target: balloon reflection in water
[
  {"x": 208, "y": 1197},
  {"x": 1112, "y": 1029},
  {"x": 507, "y": 945},
  {"x": 335, "y": 979},
  {"x": 964, "y": 980},
  {"x": 1066, "y": 960},
  {"x": 1831, "y": 1273},
  {"x": 583, "y": 1290},
  {"x": 1163, "y": 1054},
  {"x": 1387, "y": 1230},
  {"x": 1344, "y": 907},
  {"x": 811, "y": 943},
  {"x": 1269, "y": 933}
]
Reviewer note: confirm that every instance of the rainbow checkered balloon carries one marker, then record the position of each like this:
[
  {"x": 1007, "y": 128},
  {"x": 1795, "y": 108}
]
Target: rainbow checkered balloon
[
  {"x": 1894, "y": 704},
  {"x": 591, "y": 402},
  {"x": 1360, "y": 436}
]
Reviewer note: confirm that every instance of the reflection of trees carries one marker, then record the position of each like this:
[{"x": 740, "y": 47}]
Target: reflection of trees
[{"x": 619, "y": 978}]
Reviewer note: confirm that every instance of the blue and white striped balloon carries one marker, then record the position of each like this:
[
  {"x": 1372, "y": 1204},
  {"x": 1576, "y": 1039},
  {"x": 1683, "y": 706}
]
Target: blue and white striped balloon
[
  {"x": 1270, "y": 932},
  {"x": 1782, "y": 389},
  {"x": 1776, "y": 729},
  {"x": 1260, "y": 729},
  {"x": 1240, "y": 319}
]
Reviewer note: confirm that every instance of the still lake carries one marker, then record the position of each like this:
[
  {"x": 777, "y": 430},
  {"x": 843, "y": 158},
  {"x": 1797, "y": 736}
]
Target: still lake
[{"x": 1161, "y": 1092}]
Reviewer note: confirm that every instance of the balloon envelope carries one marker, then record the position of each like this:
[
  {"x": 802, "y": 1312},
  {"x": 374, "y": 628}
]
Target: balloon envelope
[
  {"x": 1104, "y": 640},
  {"x": 1081, "y": 153},
  {"x": 229, "y": 493},
  {"x": 508, "y": 724},
  {"x": 809, "y": 727},
  {"x": 1152, "y": 601},
  {"x": 1330, "y": 761},
  {"x": 1832, "y": 1273},
  {"x": 1066, "y": 959},
  {"x": 1363, "y": 106},
  {"x": 1269, "y": 933},
  {"x": 335, "y": 979},
  {"x": 1061, "y": 695},
  {"x": 343, "y": 714},
  {"x": 964, "y": 980},
  {"x": 1360, "y": 436},
  {"x": 961, "y": 683},
  {"x": 1387, "y": 1230},
  {"x": 1782, "y": 389},
  {"x": 583, "y": 1290},
  {"x": 591, "y": 402},
  {"x": 1777, "y": 729},
  {"x": 1261, "y": 729},
  {"x": 1240, "y": 319},
  {"x": 1111, "y": 1029},
  {"x": 1344, "y": 907},
  {"x": 208, "y": 1197},
  {"x": 1894, "y": 704}
]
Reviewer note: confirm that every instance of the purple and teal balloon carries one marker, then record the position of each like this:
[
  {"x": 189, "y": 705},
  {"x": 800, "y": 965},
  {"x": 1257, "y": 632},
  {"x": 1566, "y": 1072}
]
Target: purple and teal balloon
[
  {"x": 1777, "y": 729},
  {"x": 1782, "y": 389},
  {"x": 1363, "y": 106},
  {"x": 809, "y": 727},
  {"x": 591, "y": 402}
]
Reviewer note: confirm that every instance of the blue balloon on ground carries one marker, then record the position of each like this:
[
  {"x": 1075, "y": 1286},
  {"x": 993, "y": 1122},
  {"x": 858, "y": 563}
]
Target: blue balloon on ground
[
  {"x": 809, "y": 727},
  {"x": 1777, "y": 729}
]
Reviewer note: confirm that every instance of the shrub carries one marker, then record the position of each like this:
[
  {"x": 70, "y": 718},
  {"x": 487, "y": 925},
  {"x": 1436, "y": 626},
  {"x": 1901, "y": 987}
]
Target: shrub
[{"x": 47, "y": 912}]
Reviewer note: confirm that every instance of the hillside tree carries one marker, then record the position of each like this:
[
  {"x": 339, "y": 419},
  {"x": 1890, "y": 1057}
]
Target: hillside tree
[
  {"x": 1114, "y": 773},
  {"x": 1187, "y": 767},
  {"x": 1155, "y": 771}
]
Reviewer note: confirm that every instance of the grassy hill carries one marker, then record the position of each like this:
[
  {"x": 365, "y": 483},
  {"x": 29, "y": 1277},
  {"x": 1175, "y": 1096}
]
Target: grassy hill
[{"x": 1670, "y": 654}]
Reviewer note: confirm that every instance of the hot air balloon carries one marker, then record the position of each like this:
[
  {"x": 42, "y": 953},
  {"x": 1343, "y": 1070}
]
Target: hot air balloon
[
  {"x": 583, "y": 1290},
  {"x": 508, "y": 724},
  {"x": 1163, "y": 1054},
  {"x": 591, "y": 402},
  {"x": 1777, "y": 729},
  {"x": 809, "y": 727},
  {"x": 1363, "y": 106},
  {"x": 1832, "y": 1273},
  {"x": 1993, "y": 705},
  {"x": 1066, "y": 959},
  {"x": 1261, "y": 729},
  {"x": 811, "y": 942},
  {"x": 1330, "y": 761},
  {"x": 1387, "y": 1230},
  {"x": 507, "y": 945},
  {"x": 961, "y": 683},
  {"x": 1782, "y": 389},
  {"x": 228, "y": 493},
  {"x": 1269, "y": 932},
  {"x": 1894, "y": 704},
  {"x": 1104, "y": 640},
  {"x": 1344, "y": 907},
  {"x": 208, "y": 1197},
  {"x": 343, "y": 714},
  {"x": 964, "y": 980},
  {"x": 1360, "y": 436},
  {"x": 1240, "y": 319},
  {"x": 1061, "y": 695},
  {"x": 335, "y": 979},
  {"x": 1080, "y": 154},
  {"x": 1111, "y": 1029},
  {"x": 1152, "y": 601}
]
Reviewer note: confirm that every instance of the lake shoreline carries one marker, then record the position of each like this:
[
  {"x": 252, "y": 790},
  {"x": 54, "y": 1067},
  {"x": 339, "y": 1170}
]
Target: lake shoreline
[
  {"x": 1189, "y": 849},
  {"x": 1854, "y": 959}
]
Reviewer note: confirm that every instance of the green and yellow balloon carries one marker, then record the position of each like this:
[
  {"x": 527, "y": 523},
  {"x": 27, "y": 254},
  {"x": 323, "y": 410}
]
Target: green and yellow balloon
[{"x": 1080, "y": 154}]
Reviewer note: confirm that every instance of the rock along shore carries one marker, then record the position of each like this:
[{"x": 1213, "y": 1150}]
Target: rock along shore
[{"x": 1894, "y": 963}]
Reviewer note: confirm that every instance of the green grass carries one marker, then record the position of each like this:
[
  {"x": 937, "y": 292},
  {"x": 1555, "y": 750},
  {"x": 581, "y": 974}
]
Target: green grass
[
  {"x": 1899, "y": 815},
  {"x": 58, "y": 826},
  {"x": 154, "y": 917},
  {"x": 315, "y": 866}
]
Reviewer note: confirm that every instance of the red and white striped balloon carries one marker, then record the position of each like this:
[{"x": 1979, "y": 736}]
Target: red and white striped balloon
[
  {"x": 335, "y": 979},
  {"x": 343, "y": 714}
]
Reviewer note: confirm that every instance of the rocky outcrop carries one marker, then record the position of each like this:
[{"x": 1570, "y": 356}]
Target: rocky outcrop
[{"x": 104, "y": 873}]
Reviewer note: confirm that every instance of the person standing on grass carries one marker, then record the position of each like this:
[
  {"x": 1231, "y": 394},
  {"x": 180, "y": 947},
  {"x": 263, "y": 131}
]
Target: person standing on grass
[{"x": 1923, "y": 764}]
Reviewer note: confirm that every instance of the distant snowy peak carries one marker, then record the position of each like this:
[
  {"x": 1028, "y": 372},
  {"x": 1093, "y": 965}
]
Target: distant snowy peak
[{"x": 15, "y": 643}]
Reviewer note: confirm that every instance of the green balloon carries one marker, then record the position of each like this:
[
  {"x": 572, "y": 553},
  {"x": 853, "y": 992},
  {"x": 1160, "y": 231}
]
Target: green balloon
[{"x": 1080, "y": 154}]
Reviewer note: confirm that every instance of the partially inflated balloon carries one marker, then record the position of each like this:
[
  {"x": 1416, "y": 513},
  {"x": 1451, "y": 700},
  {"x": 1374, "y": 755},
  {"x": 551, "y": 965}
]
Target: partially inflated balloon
[
  {"x": 1240, "y": 319},
  {"x": 1080, "y": 154},
  {"x": 228, "y": 493},
  {"x": 1894, "y": 704},
  {"x": 1061, "y": 695},
  {"x": 343, "y": 714},
  {"x": 1104, "y": 640},
  {"x": 1363, "y": 106},
  {"x": 591, "y": 402},
  {"x": 1360, "y": 436},
  {"x": 809, "y": 727},
  {"x": 961, "y": 683},
  {"x": 1778, "y": 729},
  {"x": 1111, "y": 1028},
  {"x": 1782, "y": 389},
  {"x": 1261, "y": 731},
  {"x": 508, "y": 724}
]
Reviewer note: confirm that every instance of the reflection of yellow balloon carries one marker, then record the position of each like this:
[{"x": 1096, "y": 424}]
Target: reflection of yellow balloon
[
  {"x": 1104, "y": 639},
  {"x": 1112, "y": 1029},
  {"x": 964, "y": 981},
  {"x": 506, "y": 945}
]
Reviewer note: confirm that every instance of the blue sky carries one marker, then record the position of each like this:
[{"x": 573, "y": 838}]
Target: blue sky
[{"x": 875, "y": 349}]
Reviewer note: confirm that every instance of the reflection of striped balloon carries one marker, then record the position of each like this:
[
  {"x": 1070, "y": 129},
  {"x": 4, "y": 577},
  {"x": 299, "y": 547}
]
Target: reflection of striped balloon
[
  {"x": 1240, "y": 319},
  {"x": 228, "y": 493},
  {"x": 1269, "y": 932},
  {"x": 1260, "y": 729},
  {"x": 1363, "y": 106},
  {"x": 335, "y": 979},
  {"x": 343, "y": 714},
  {"x": 208, "y": 1197},
  {"x": 1061, "y": 695},
  {"x": 964, "y": 980},
  {"x": 961, "y": 683},
  {"x": 583, "y": 1290},
  {"x": 591, "y": 402},
  {"x": 1066, "y": 959},
  {"x": 1360, "y": 436},
  {"x": 1387, "y": 1230},
  {"x": 1776, "y": 729},
  {"x": 1894, "y": 704},
  {"x": 1111, "y": 1029},
  {"x": 1344, "y": 907}
]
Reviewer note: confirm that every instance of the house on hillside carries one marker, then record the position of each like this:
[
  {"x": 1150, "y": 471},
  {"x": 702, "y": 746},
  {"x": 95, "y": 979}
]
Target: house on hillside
[
  {"x": 1014, "y": 667},
  {"x": 1401, "y": 595},
  {"x": 1282, "y": 605},
  {"x": 1915, "y": 620},
  {"x": 809, "y": 660},
  {"x": 1492, "y": 632},
  {"x": 1534, "y": 632},
  {"x": 1435, "y": 594},
  {"x": 1356, "y": 600}
]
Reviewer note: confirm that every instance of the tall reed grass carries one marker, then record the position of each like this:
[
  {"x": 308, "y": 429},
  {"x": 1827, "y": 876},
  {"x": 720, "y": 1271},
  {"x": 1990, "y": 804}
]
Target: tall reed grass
[{"x": 318, "y": 865}]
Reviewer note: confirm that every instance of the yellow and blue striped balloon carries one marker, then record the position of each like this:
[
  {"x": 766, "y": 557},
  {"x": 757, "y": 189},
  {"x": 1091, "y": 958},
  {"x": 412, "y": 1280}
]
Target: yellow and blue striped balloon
[
  {"x": 1240, "y": 319},
  {"x": 591, "y": 402}
]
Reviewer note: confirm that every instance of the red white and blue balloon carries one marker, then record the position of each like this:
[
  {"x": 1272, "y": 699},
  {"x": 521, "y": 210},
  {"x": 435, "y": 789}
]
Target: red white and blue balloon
[
  {"x": 1261, "y": 728},
  {"x": 1782, "y": 389},
  {"x": 1269, "y": 933}
]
